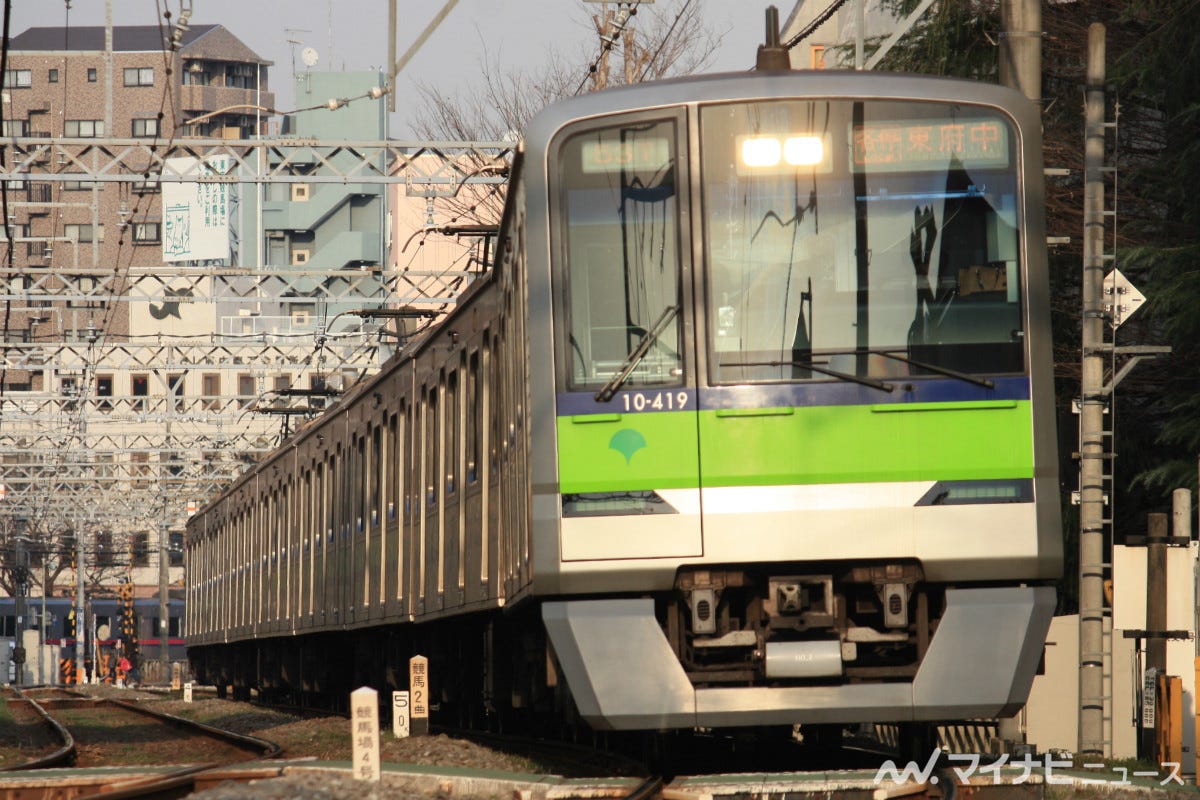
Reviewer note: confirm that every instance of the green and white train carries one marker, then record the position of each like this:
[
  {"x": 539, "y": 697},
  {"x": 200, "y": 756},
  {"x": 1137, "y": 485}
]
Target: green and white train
[{"x": 750, "y": 423}]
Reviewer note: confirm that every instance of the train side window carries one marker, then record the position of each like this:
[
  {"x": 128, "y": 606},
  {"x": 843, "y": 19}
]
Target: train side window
[
  {"x": 472, "y": 418},
  {"x": 392, "y": 468},
  {"x": 378, "y": 472},
  {"x": 451, "y": 430}
]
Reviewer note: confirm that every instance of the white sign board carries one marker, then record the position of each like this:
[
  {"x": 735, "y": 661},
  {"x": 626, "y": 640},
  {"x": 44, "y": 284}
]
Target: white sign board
[
  {"x": 400, "y": 715},
  {"x": 195, "y": 222},
  {"x": 364, "y": 732},
  {"x": 1149, "y": 697},
  {"x": 1124, "y": 297}
]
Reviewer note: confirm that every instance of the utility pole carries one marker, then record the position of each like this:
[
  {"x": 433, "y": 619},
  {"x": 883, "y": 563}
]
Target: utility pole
[
  {"x": 1093, "y": 449},
  {"x": 1021, "y": 47}
]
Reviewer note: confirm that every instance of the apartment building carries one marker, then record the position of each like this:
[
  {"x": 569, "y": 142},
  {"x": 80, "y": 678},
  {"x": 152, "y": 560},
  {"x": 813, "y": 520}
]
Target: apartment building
[
  {"x": 137, "y": 415},
  {"x": 71, "y": 82}
]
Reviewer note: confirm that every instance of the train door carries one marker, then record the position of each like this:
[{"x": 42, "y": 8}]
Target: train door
[{"x": 626, "y": 394}]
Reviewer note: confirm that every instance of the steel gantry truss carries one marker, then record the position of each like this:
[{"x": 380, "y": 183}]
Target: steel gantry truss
[{"x": 73, "y": 445}]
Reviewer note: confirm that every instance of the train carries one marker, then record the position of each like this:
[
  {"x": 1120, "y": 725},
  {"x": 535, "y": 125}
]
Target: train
[
  {"x": 749, "y": 424},
  {"x": 105, "y": 629}
]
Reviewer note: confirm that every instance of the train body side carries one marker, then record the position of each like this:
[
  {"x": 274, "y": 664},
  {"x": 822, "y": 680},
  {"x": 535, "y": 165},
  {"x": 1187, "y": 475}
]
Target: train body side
[{"x": 764, "y": 527}]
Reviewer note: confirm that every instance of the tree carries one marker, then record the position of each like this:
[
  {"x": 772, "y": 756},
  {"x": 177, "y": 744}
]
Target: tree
[{"x": 656, "y": 41}]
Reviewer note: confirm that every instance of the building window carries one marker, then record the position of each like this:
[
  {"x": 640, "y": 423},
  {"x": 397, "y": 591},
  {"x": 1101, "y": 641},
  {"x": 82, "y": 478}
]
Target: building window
[
  {"x": 245, "y": 390},
  {"x": 139, "y": 469},
  {"x": 18, "y": 78},
  {"x": 146, "y": 232},
  {"x": 816, "y": 57},
  {"x": 76, "y": 186},
  {"x": 18, "y": 231},
  {"x": 139, "y": 76},
  {"x": 241, "y": 76},
  {"x": 38, "y": 250},
  {"x": 90, "y": 287},
  {"x": 15, "y": 127},
  {"x": 139, "y": 549},
  {"x": 140, "y": 389},
  {"x": 84, "y": 234},
  {"x": 104, "y": 391},
  {"x": 84, "y": 128},
  {"x": 52, "y": 76},
  {"x": 105, "y": 554},
  {"x": 145, "y": 127},
  {"x": 176, "y": 551},
  {"x": 175, "y": 387},
  {"x": 91, "y": 74},
  {"x": 210, "y": 388}
]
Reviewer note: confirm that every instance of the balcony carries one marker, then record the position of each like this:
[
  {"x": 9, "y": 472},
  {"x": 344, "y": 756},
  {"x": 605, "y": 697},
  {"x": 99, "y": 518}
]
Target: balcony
[{"x": 203, "y": 99}]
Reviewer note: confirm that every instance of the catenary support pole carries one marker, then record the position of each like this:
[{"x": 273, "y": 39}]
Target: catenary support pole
[
  {"x": 80, "y": 619},
  {"x": 1093, "y": 451}
]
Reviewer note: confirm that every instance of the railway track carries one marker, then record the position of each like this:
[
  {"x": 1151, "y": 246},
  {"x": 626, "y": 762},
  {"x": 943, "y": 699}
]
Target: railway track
[{"x": 117, "y": 748}]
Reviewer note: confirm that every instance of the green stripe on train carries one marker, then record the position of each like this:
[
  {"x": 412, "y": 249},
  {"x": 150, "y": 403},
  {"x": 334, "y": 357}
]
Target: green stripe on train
[{"x": 784, "y": 446}]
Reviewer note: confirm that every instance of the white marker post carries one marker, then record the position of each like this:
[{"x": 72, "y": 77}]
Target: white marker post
[
  {"x": 400, "y": 715},
  {"x": 187, "y": 692},
  {"x": 418, "y": 683},
  {"x": 364, "y": 732}
]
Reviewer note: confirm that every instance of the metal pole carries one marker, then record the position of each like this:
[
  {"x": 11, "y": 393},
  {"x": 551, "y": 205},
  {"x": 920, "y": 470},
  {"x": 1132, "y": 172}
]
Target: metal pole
[
  {"x": 391, "y": 56},
  {"x": 80, "y": 626},
  {"x": 1156, "y": 607},
  {"x": 42, "y": 626},
  {"x": 19, "y": 655},
  {"x": 860, "y": 22},
  {"x": 1021, "y": 46},
  {"x": 164, "y": 604},
  {"x": 1092, "y": 449}
]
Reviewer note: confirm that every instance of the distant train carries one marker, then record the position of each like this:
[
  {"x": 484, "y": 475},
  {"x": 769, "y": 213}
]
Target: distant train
[
  {"x": 103, "y": 632},
  {"x": 750, "y": 423}
]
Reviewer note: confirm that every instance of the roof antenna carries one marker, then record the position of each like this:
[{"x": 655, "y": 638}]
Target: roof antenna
[{"x": 772, "y": 55}]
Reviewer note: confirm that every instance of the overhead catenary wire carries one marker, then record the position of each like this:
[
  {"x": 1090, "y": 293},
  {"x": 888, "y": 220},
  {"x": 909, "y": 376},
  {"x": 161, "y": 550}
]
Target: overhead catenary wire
[{"x": 627, "y": 11}]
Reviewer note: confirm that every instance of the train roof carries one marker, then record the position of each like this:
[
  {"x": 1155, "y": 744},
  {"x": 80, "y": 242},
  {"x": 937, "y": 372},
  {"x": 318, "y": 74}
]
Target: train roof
[{"x": 754, "y": 84}]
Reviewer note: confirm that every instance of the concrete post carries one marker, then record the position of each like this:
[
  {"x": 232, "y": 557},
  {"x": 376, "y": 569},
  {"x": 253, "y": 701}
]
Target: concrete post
[
  {"x": 1093, "y": 451},
  {"x": 1021, "y": 46}
]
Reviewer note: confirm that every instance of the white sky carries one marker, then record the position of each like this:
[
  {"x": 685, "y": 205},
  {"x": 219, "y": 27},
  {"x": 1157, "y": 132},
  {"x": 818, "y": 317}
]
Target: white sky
[{"x": 516, "y": 32}]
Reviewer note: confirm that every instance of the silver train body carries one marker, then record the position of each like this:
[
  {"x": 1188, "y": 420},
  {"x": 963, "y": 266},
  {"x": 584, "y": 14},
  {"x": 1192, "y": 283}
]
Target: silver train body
[{"x": 750, "y": 423}]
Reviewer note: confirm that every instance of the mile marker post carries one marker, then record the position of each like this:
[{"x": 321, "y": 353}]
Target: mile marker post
[
  {"x": 401, "y": 722},
  {"x": 418, "y": 684},
  {"x": 364, "y": 721}
]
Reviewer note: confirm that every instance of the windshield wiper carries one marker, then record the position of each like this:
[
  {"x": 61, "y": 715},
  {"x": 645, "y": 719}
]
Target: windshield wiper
[
  {"x": 833, "y": 373},
  {"x": 636, "y": 355},
  {"x": 949, "y": 373}
]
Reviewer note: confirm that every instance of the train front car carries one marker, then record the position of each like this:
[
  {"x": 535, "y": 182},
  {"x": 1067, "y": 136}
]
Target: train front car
[{"x": 800, "y": 358}]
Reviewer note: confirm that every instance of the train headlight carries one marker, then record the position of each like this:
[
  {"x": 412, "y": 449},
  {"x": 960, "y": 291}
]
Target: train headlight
[
  {"x": 761, "y": 151},
  {"x": 771, "y": 151},
  {"x": 803, "y": 151}
]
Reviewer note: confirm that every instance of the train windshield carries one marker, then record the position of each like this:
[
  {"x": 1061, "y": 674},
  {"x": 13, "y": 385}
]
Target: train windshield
[
  {"x": 860, "y": 239},
  {"x": 621, "y": 237}
]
